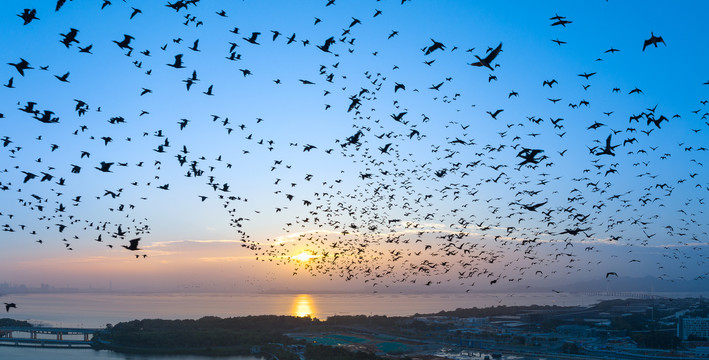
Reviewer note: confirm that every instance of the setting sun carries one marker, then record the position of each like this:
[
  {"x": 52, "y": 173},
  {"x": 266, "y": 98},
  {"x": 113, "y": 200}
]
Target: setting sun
[{"x": 305, "y": 256}]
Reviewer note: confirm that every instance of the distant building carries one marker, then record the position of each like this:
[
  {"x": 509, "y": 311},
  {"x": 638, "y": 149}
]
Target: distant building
[
  {"x": 574, "y": 330},
  {"x": 698, "y": 327},
  {"x": 701, "y": 352},
  {"x": 472, "y": 321}
]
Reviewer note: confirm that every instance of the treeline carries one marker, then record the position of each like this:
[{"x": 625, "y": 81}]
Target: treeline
[
  {"x": 646, "y": 332},
  {"x": 321, "y": 352},
  {"x": 381, "y": 321},
  {"x": 396, "y": 324},
  {"x": 229, "y": 336},
  {"x": 501, "y": 310},
  {"x": 14, "y": 323},
  {"x": 202, "y": 335}
]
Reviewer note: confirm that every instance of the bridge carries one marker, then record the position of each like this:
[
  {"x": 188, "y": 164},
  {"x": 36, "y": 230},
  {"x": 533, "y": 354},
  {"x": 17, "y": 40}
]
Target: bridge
[
  {"x": 625, "y": 294},
  {"x": 47, "y": 336}
]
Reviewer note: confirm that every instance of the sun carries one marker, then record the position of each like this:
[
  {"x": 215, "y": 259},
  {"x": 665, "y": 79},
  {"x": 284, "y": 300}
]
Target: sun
[{"x": 304, "y": 256}]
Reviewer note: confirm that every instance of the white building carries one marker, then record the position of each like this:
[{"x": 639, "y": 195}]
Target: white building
[{"x": 698, "y": 327}]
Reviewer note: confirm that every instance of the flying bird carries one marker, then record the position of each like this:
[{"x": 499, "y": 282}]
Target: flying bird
[
  {"x": 653, "y": 40},
  {"x": 178, "y": 62},
  {"x": 28, "y": 15},
  {"x": 486, "y": 61},
  {"x": 125, "y": 43},
  {"x": 133, "y": 245},
  {"x": 21, "y": 66},
  {"x": 8, "y": 306},
  {"x": 253, "y": 37}
]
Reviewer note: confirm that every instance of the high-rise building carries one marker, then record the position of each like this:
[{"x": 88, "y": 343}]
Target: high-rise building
[{"x": 696, "y": 326}]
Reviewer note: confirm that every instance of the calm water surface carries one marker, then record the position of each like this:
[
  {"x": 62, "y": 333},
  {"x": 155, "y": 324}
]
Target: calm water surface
[{"x": 95, "y": 310}]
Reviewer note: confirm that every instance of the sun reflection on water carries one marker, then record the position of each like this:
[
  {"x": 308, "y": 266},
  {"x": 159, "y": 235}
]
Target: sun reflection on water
[{"x": 303, "y": 305}]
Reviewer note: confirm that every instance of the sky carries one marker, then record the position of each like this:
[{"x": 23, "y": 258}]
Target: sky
[{"x": 384, "y": 161}]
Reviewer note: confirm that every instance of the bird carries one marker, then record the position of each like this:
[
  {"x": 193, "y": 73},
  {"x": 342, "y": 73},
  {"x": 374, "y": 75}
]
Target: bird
[
  {"x": 63, "y": 78},
  {"x": 253, "y": 37},
  {"x": 326, "y": 46},
  {"x": 10, "y": 305},
  {"x": 69, "y": 37},
  {"x": 105, "y": 167},
  {"x": 86, "y": 49},
  {"x": 28, "y": 15},
  {"x": 60, "y": 3},
  {"x": 436, "y": 46},
  {"x": 133, "y": 245},
  {"x": 494, "y": 114},
  {"x": 436, "y": 86},
  {"x": 653, "y": 40},
  {"x": 194, "y": 46},
  {"x": 608, "y": 150},
  {"x": 178, "y": 62},
  {"x": 549, "y": 82},
  {"x": 562, "y": 23},
  {"x": 21, "y": 66},
  {"x": 125, "y": 43},
  {"x": 486, "y": 61}
]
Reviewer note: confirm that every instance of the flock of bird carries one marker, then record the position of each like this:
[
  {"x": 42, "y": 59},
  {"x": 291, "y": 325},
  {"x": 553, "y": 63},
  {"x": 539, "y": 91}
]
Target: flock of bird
[{"x": 447, "y": 196}]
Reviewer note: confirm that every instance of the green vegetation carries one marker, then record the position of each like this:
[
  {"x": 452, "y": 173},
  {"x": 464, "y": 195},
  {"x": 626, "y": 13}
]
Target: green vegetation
[
  {"x": 629, "y": 323},
  {"x": 570, "y": 348},
  {"x": 13, "y": 322},
  {"x": 337, "y": 337},
  {"x": 646, "y": 332},
  {"x": 320, "y": 352},
  {"x": 656, "y": 340},
  {"x": 693, "y": 337},
  {"x": 497, "y": 311},
  {"x": 208, "y": 335},
  {"x": 217, "y": 336}
]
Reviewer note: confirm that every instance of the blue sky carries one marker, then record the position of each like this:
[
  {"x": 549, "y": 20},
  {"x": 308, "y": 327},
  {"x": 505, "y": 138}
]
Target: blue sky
[{"x": 425, "y": 211}]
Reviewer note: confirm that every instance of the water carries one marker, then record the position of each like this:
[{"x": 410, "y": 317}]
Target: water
[
  {"x": 95, "y": 310},
  {"x": 18, "y": 353}
]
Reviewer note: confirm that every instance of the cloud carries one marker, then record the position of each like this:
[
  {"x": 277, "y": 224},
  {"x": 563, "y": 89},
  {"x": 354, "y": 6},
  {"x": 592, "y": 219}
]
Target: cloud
[
  {"x": 221, "y": 259},
  {"x": 169, "y": 243}
]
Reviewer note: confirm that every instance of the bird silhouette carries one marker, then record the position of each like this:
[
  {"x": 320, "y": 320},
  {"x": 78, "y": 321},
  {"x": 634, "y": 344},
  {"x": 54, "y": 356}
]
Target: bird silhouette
[
  {"x": 488, "y": 59},
  {"x": 653, "y": 40},
  {"x": 125, "y": 43},
  {"x": 178, "y": 62},
  {"x": 21, "y": 66},
  {"x": 105, "y": 166},
  {"x": 8, "y": 306},
  {"x": 253, "y": 37},
  {"x": 28, "y": 15},
  {"x": 133, "y": 245}
]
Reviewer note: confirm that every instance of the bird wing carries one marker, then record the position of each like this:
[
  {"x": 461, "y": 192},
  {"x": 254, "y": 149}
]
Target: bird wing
[{"x": 493, "y": 53}]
